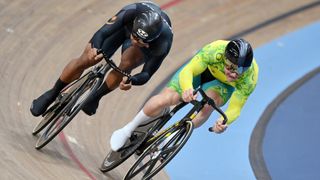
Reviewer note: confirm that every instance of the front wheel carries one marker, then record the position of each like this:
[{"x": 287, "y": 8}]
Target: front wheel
[
  {"x": 49, "y": 116},
  {"x": 68, "y": 112},
  {"x": 160, "y": 152}
]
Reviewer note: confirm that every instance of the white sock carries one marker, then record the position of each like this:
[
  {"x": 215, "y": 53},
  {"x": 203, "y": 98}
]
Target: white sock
[
  {"x": 139, "y": 119},
  {"x": 120, "y": 136}
]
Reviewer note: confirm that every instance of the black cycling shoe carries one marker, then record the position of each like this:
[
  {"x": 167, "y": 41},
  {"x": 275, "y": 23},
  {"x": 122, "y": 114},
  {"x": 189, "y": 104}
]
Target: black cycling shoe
[
  {"x": 91, "y": 106},
  {"x": 40, "y": 105}
]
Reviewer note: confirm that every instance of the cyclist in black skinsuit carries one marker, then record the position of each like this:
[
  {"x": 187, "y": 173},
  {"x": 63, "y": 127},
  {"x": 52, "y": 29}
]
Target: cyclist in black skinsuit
[{"x": 144, "y": 32}]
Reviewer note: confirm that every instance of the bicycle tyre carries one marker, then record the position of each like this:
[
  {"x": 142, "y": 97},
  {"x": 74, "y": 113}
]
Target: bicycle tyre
[
  {"x": 50, "y": 133},
  {"x": 49, "y": 116},
  {"x": 180, "y": 137}
]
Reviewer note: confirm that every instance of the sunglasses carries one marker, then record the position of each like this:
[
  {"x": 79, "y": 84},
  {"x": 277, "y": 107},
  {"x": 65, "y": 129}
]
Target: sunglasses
[
  {"x": 231, "y": 67},
  {"x": 234, "y": 68}
]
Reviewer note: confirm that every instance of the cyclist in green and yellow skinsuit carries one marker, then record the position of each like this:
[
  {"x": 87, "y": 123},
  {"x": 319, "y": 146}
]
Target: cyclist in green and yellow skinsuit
[{"x": 224, "y": 69}]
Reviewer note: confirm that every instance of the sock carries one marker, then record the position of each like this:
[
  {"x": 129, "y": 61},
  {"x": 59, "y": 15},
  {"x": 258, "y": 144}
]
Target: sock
[
  {"x": 58, "y": 86},
  {"x": 102, "y": 90},
  {"x": 139, "y": 119},
  {"x": 120, "y": 136}
]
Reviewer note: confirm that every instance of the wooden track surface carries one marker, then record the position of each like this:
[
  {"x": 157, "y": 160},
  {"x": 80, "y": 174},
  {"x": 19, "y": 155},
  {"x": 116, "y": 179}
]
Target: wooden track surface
[{"x": 39, "y": 37}]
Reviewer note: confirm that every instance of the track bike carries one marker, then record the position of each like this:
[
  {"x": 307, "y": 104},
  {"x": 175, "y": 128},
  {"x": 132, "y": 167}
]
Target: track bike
[
  {"x": 71, "y": 100},
  {"x": 157, "y": 147}
]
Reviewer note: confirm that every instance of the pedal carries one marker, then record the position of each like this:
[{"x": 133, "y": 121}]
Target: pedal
[{"x": 62, "y": 97}]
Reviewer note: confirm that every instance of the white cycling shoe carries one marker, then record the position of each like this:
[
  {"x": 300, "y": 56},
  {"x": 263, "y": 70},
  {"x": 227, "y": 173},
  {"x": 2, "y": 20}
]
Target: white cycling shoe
[{"x": 119, "y": 138}]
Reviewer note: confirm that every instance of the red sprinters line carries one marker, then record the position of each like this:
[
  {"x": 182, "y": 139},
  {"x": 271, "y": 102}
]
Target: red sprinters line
[
  {"x": 73, "y": 156},
  {"x": 169, "y": 4}
]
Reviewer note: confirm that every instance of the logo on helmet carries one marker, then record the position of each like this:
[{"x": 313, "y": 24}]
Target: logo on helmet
[
  {"x": 234, "y": 52},
  {"x": 142, "y": 33}
]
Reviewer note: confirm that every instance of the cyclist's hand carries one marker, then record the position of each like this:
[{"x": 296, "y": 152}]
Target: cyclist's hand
[
  {"x": 97, "y": 56},
  {"x": 188, "y": 96},
  {"x": 93, "y": 55},
  {"x": 218, "y": 127},
  {"x": 123, "y": 85}
]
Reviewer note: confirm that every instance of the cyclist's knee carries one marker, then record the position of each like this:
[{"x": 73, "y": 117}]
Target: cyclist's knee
[
  {"x": 170, "y": 96},
  {"x": 158, "y": 101},
  {"x": 167, "y": 99},
  {"x": 86, "y": 59},
  {"x": 216, "y": 97},
  {"x": 113, "y": 79},
  {"x": 207, "y": 110}
]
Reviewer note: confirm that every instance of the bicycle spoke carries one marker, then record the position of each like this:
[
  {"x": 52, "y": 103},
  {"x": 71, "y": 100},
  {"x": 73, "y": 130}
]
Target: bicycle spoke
[
  {"x": 52, "y": 128},
  {"x": 152, "y": 162},
  {"x": 86, "y": 92},
  {"x": 140, "y": 169},
  {"x": 169, "y": 150},
  {"x": 176, "y": 139}
]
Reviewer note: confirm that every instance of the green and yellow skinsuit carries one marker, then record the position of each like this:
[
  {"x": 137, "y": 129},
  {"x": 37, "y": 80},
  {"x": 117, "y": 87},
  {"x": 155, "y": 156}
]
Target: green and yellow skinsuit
[{"x": 212, "y": 57}]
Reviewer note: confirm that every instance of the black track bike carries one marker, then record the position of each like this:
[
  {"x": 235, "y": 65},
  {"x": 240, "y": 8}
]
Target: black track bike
[
  {"x": 71, "y": 100},
  {"x": 155, "y": 146}
]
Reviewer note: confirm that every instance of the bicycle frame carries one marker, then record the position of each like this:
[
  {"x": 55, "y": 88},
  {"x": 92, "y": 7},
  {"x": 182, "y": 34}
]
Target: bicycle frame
[
  {"x": 158, "y": 150},
  {"x": 99, "y": 70},
  {"x": 70, "y": 102},
  {"x": 197, "y": 107}
]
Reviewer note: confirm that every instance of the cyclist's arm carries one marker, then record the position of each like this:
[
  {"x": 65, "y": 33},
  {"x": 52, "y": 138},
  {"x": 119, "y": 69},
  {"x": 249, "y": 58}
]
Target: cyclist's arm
[
  {"x": 241, "y": 94},
  {"x": 155, "y": 58},
  {"x": 239, "y": 98},
  {"x": 149, "y": 68},
  {"x": 236, "y": 103},
  {"x": 115, "y": 23},
  {"x": 196, "y": 66}
]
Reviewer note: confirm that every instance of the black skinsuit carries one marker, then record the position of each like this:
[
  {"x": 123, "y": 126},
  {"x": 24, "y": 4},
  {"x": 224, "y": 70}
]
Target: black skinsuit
[{"x": 117, "y": 31}]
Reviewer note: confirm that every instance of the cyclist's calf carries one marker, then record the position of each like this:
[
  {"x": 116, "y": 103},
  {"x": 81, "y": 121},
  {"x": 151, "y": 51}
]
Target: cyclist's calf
[{"x": 202, "y": 116}]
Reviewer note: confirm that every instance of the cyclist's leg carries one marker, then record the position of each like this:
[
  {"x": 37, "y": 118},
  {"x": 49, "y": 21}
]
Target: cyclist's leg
[
  {"x": 131, "y": 58},
  {"x": 171, "y": 95},
  {"x": 76, "y": 66},
  {"x": 156, "y": 104},
  {"x": 219, "y": 92},
  {"x": 110, "y": 45},
  {"x": 72, "y": 71},
  {"x": 153, "y": 108}
]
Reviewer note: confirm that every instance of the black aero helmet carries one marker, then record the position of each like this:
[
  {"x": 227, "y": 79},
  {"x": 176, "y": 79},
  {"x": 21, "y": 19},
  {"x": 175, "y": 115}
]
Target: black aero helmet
[
  {"x": 147, "y": 26},
  {"x": 239, "y": 52}
]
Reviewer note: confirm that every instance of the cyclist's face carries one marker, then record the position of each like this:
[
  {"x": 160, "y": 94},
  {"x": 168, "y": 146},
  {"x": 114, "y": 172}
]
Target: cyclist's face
[
  {"x": 231, "y": 71},
  {"x": 138, "y": 42}
]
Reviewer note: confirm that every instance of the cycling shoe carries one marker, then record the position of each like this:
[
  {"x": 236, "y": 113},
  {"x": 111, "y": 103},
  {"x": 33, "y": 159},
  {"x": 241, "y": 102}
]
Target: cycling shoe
[
  {"x": 91, "y": 106},
  {"x": 40, "y": 105}
]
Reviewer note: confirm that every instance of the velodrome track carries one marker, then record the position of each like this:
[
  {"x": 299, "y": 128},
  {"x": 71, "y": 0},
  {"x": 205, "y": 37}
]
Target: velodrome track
[{"x": 39, "y": 37}]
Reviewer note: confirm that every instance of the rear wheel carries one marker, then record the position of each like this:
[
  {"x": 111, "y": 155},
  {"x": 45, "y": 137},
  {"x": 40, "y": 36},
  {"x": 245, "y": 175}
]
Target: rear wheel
[
  {"x": 135, "y": 144},
  {"x": 115, "y": 158},
  {"x": 160, "y": 152},
  {"x": 72, "y": 106}
]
